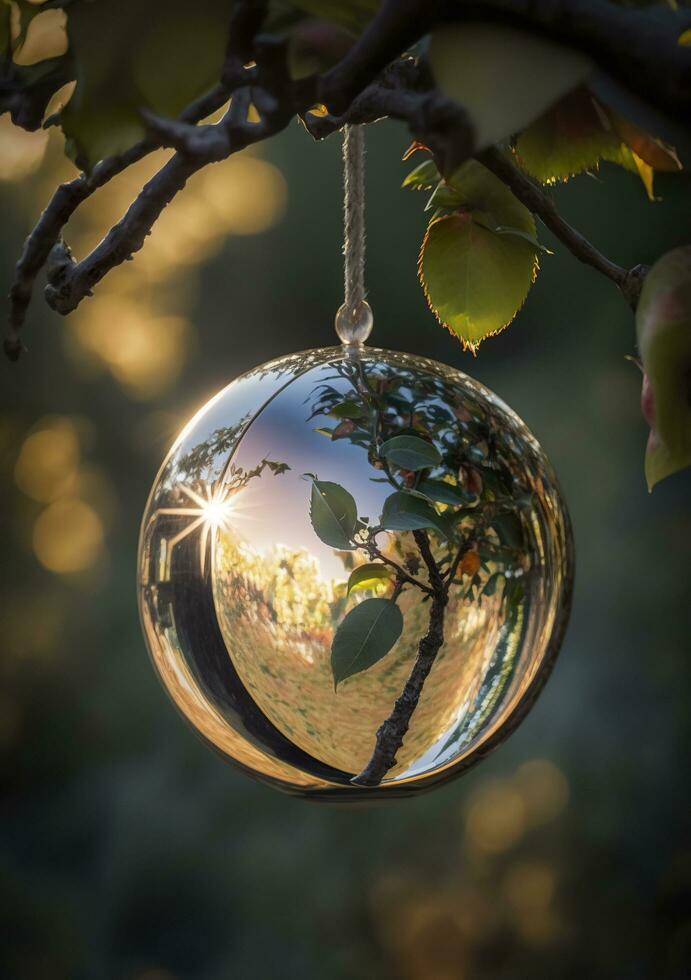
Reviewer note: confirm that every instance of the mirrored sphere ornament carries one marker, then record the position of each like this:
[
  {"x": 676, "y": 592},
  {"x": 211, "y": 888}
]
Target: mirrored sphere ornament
[{"x": 321, "y": 527}]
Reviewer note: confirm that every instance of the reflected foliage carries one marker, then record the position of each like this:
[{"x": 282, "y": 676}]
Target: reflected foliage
[{"x": 372, "y": 500}]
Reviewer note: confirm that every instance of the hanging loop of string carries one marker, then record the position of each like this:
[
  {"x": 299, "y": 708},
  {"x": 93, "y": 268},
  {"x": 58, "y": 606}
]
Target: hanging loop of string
[{"x": 354, "y": 318}]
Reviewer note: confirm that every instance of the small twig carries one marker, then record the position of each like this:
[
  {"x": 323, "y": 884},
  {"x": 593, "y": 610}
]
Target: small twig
[
  {"x": 404, "y": 576},
  {"x": 538, "y": 200},
  {"x": 404, "y": 92}
]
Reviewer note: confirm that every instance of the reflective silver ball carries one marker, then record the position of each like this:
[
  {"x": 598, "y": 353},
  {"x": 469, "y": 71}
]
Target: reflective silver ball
[{"x": 322, "y": 525}]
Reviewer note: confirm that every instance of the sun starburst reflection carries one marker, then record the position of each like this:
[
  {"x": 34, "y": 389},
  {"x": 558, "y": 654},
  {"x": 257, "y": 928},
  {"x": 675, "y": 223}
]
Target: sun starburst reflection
[{"x": 212, "y": 510}]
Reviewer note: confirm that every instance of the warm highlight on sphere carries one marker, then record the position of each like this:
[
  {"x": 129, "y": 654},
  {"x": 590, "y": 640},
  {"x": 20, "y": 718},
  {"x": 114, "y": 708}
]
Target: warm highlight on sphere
[{"x": 286, "y": 583}]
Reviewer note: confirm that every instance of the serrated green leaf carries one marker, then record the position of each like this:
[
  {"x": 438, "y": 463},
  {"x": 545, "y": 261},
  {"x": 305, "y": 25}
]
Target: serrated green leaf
[
  {"x": 488, "y": 221},
  {"x": 424, "y": 177},
  {"x": 364, "y": 637},
  {"x": 410, "y": 453},
  {"x": 368, "y": 576},
  {"x": 444, "y": 197},
  {"x": 503, "y": 77},
  {"x": 405, "y": 512},
  {"x": 478, "y": 190},
  {"x": 474, "y": 280},
  {"x": 333, "y": 513},
  {"x": 572, "y": 136},
  {"x": 663, "y": 326}
]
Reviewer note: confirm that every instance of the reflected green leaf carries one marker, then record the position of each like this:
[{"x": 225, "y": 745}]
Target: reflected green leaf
[
  {"x": 410, "y": 453},
  {"x": 369, "y": 575},
  {"x": 404, "y": 512},
  {"x": 349, "y": 409},
  {"x": 443, "y": 492},
  {"x": 333, "y": 513},
  {"x": 366, "y": 635}
]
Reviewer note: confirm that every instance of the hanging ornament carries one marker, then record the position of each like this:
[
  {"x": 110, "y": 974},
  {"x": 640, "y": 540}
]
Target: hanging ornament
[{"x": 355, "y": 565}]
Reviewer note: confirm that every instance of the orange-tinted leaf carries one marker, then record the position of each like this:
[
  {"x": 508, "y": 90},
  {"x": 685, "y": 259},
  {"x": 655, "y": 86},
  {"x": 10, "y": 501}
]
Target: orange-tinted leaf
[
  {"x": 470, "y": 563},
  {"x": 653, "y": 151}
]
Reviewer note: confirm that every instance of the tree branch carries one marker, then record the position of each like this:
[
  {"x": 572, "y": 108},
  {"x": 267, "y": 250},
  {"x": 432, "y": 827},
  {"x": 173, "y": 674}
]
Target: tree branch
[
  {"x": 638, "y": 47},
  {"x": 538, "y": 200},
  {"x": 401, "y": 573},
  {"x": 65, "y": 201},
  {"x": 391, "y": 733},
  {"x": 43, "y": 245}
]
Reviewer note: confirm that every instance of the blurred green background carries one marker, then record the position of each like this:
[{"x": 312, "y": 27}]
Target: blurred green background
[{"x": 128, "y": 849}]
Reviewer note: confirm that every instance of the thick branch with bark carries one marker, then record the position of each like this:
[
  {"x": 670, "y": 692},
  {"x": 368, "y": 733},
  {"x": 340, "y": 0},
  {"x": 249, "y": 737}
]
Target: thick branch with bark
[
  {"x": 373, "y": 80},
  {"x": 638, "y": 47},
  {"x": 391, "y": 733}
]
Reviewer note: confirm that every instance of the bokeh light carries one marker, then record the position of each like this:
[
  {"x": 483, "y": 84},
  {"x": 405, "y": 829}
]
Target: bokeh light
[
  {"x": 127, "y": 846},
  {"x": 133, "y": 326},
  {"x": 21, "y": 153},
  {"x": 68, "y": 537},
  {"x": 46, "y": 37},
  {"x": 543, "y": 789},
  {"x": 495, "y": 818},
  {"x": 48, "y": 460}
]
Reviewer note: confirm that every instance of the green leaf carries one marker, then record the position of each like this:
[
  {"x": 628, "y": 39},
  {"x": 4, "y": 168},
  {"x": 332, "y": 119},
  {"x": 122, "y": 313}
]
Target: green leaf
[
  {"x": 572, "y": 136},
  {"x": 367, "y": 576},
  {"x": 404, "y": 512},
  {"x": 475, "y": 280},
  {"x": 349, "y": 409},
  {"x": 487, "y": 221},
  {"x": 663, "y": 326},
  {"x": 424, "y": 177},
  {"x": 333, "y": 513},
  {"x": 410, "y": 453},
  {"x": 503, "y": 77},
  {"x": 175, "y": 51},
  {"x": 443, "y": 492},
  {"x": 478, "y": 190},
  {"x": 366, "y": 635}
]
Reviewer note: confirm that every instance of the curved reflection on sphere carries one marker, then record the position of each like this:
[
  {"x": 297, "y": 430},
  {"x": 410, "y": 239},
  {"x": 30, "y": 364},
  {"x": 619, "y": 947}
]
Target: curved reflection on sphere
[{"x": 240, "y": 597}]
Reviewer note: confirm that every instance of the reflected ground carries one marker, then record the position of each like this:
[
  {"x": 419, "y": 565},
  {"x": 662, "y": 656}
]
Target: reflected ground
[{"x": 247, "y": 660}]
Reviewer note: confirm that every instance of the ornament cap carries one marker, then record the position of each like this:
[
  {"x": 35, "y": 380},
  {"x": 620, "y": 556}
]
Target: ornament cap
[{"x": 354, "y": 324}]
